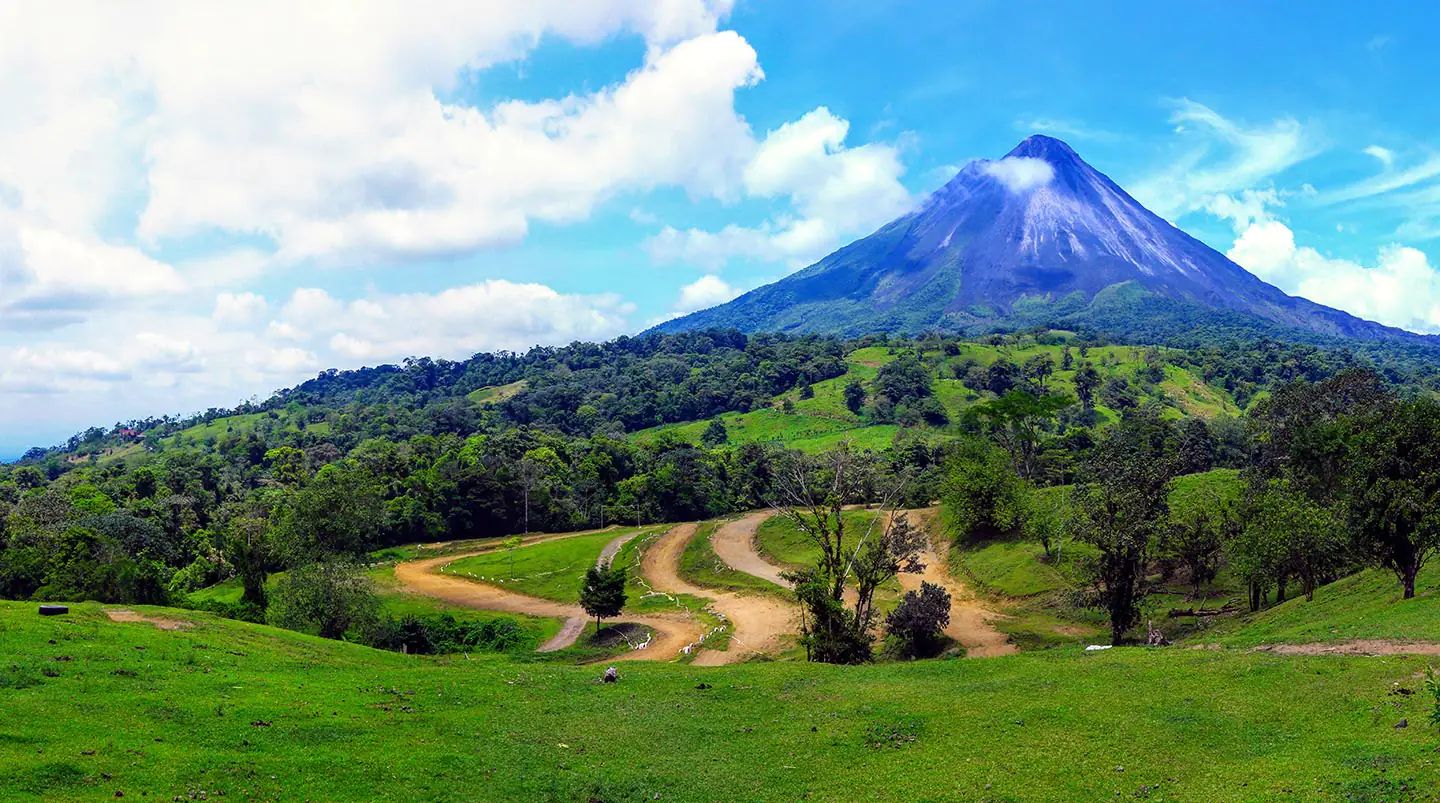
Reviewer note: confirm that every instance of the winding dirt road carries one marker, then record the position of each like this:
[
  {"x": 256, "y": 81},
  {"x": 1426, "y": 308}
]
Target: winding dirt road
[
  {"x": 671, "y": 634},
  {"x": 734, "y": 543},
  {"x": 760, "y": 623}
]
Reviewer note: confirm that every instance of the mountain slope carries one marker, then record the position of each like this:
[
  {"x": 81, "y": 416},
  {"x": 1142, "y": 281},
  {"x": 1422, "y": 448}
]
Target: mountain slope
[{"x": 1036, "y": 237}]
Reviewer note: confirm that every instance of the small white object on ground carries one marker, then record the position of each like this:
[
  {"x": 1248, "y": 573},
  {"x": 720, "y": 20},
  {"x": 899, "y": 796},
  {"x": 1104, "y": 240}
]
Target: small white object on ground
[{"x": 1094, "y": 647}]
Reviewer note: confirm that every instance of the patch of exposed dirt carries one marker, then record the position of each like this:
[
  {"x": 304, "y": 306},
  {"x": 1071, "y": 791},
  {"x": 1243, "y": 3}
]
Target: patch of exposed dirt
[
  {"x": 161, "y": 622},
  {"x": 971, "y": 624},
  {"x": 734, "y": 543},
  {"x": 761, "y": 624}
]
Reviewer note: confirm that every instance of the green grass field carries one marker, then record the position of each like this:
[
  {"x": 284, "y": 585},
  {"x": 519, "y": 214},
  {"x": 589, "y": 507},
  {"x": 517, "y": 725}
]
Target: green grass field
[
  {"x": 226, "y": 709},
  {"x": 396, "y": 602},
  {"x": 783, "y": 543},
  {"x": 1366, "y": 605}
]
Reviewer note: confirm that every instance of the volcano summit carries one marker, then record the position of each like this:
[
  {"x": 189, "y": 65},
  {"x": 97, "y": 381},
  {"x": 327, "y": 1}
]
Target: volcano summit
[{"x": 1036, "y": 237}]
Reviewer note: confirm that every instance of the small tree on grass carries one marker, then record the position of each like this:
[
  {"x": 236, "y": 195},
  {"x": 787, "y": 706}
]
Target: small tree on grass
[
  {"x": 1393, "y": 487},
  {"x": 248, "y": 545},
  {"x": 917, "y": 624},
  {"x": 603, "y": 593},
  {"x": 715, "y": 434},
  {"x": 854, "y": 396},
  {"x": 327, "y": 599},
  {"x": 1195, "y": 542},
  {"x": 511, "y": 544},
  {"x": 982, "y": 493},
  {"x": 812, "y": 493}
]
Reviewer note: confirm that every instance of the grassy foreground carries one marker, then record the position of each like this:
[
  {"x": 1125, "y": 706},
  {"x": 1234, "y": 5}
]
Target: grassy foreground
[{"x": 95, "y": 707}]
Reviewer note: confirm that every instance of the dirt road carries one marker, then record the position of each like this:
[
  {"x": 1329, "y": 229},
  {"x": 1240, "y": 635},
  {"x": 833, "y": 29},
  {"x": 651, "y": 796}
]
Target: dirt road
[
  {"x": 760, "y": 624},
  {"x": 734, "y": 543},
  {"x": 970, "y": 622},
  {"x": 672, "y": 634}
]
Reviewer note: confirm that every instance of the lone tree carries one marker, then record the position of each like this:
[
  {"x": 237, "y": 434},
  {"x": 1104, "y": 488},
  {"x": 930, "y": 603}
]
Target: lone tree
[
  {"x": 812, "y": 493},
  {"x": 917, "y": 624},
  {"x": 1087, "y": 381},
  {"x": 715, "y": 434},
  {"x": 603, "y": 593},
  {"x": 1392, "y": 485},
  {"x": 854, "y": 396},
  {"x": 1120, "y": 510}
]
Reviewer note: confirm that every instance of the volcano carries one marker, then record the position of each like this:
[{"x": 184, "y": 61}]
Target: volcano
[{"x": 1037, "y": 237}]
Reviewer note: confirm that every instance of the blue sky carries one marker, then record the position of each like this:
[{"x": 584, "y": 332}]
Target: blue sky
[{"x": 203, "y": 202}]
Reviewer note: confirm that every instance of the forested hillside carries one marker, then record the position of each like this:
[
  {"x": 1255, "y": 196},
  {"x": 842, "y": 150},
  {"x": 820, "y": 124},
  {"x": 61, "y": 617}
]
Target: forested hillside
[{"x": 660, "y": 428}]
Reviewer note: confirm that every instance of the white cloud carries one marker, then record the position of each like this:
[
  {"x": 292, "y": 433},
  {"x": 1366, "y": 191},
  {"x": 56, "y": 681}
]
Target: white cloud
[
  {"x": 1387, "y": 181},
  {"x": 1248, "y": 156},
  {"x": 1401, "y": 288},
  {"x": 1385, "y": 155},
  {"x": 836, "y": 192},
  {"x": 457, "y": 322},
  {"x": 1020, "y": 173},
  {"x": 706, "y": 291},
  {"x": 239, "y": 308}
]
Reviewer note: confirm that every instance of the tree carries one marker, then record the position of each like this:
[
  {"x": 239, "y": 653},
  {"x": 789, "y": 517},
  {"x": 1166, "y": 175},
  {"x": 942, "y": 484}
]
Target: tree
[
  {"x": 715, "y": 434},
  {"x": 602, "y": 595},
  {"x": 247, "y": 545},
  {"x": 1017, "y": 420},
  {"x": 1067, "y": 359},
  {"x": 1195, "y": 542},
  {"x": 1120, "y": 510},
  {"x": 1087, "y": 381},
  {"x": 1286, "y": 533},
  {"x": 1001, "y": 376},
  {"x": 511, "y": 544},
  {"x": 1392, "y": 487},
  {"x": 1196, "y": 451},
  {"x": 918, "y": 623},
  {"x": 982, "y": 493},
  {"x": 1037, "y": 371},
  {"x": 854, "y": 396},
  {"x": 1042, "y": 518},
  {"x": 326, "y": 599},
  {"x": 903, "y": 379},
  {"x": 811, "y": 494},
  {"x": 339, "y": 513},
  {"x": 287, "y": 465}
]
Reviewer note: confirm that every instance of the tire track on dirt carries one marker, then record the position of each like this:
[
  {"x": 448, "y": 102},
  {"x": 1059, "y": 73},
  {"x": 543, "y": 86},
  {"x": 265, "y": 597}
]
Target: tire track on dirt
[{"x": 760, "y": 624}]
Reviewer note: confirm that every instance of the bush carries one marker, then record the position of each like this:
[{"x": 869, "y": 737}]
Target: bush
[{"x": 916, "y": 626}]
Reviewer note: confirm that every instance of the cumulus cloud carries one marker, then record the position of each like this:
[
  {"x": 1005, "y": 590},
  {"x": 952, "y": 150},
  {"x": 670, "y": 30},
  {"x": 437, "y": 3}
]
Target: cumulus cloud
[
  {"x": 354, "y": 140},
  {"x": 1400, "y": 288},
  {"x": 706, "y": 291},
  {"x": 835, "y": 191},
  {"x": 1020, "y": 173},
  {"x": 456, "y": 322},
  {"x": 239, "y": 308}
]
